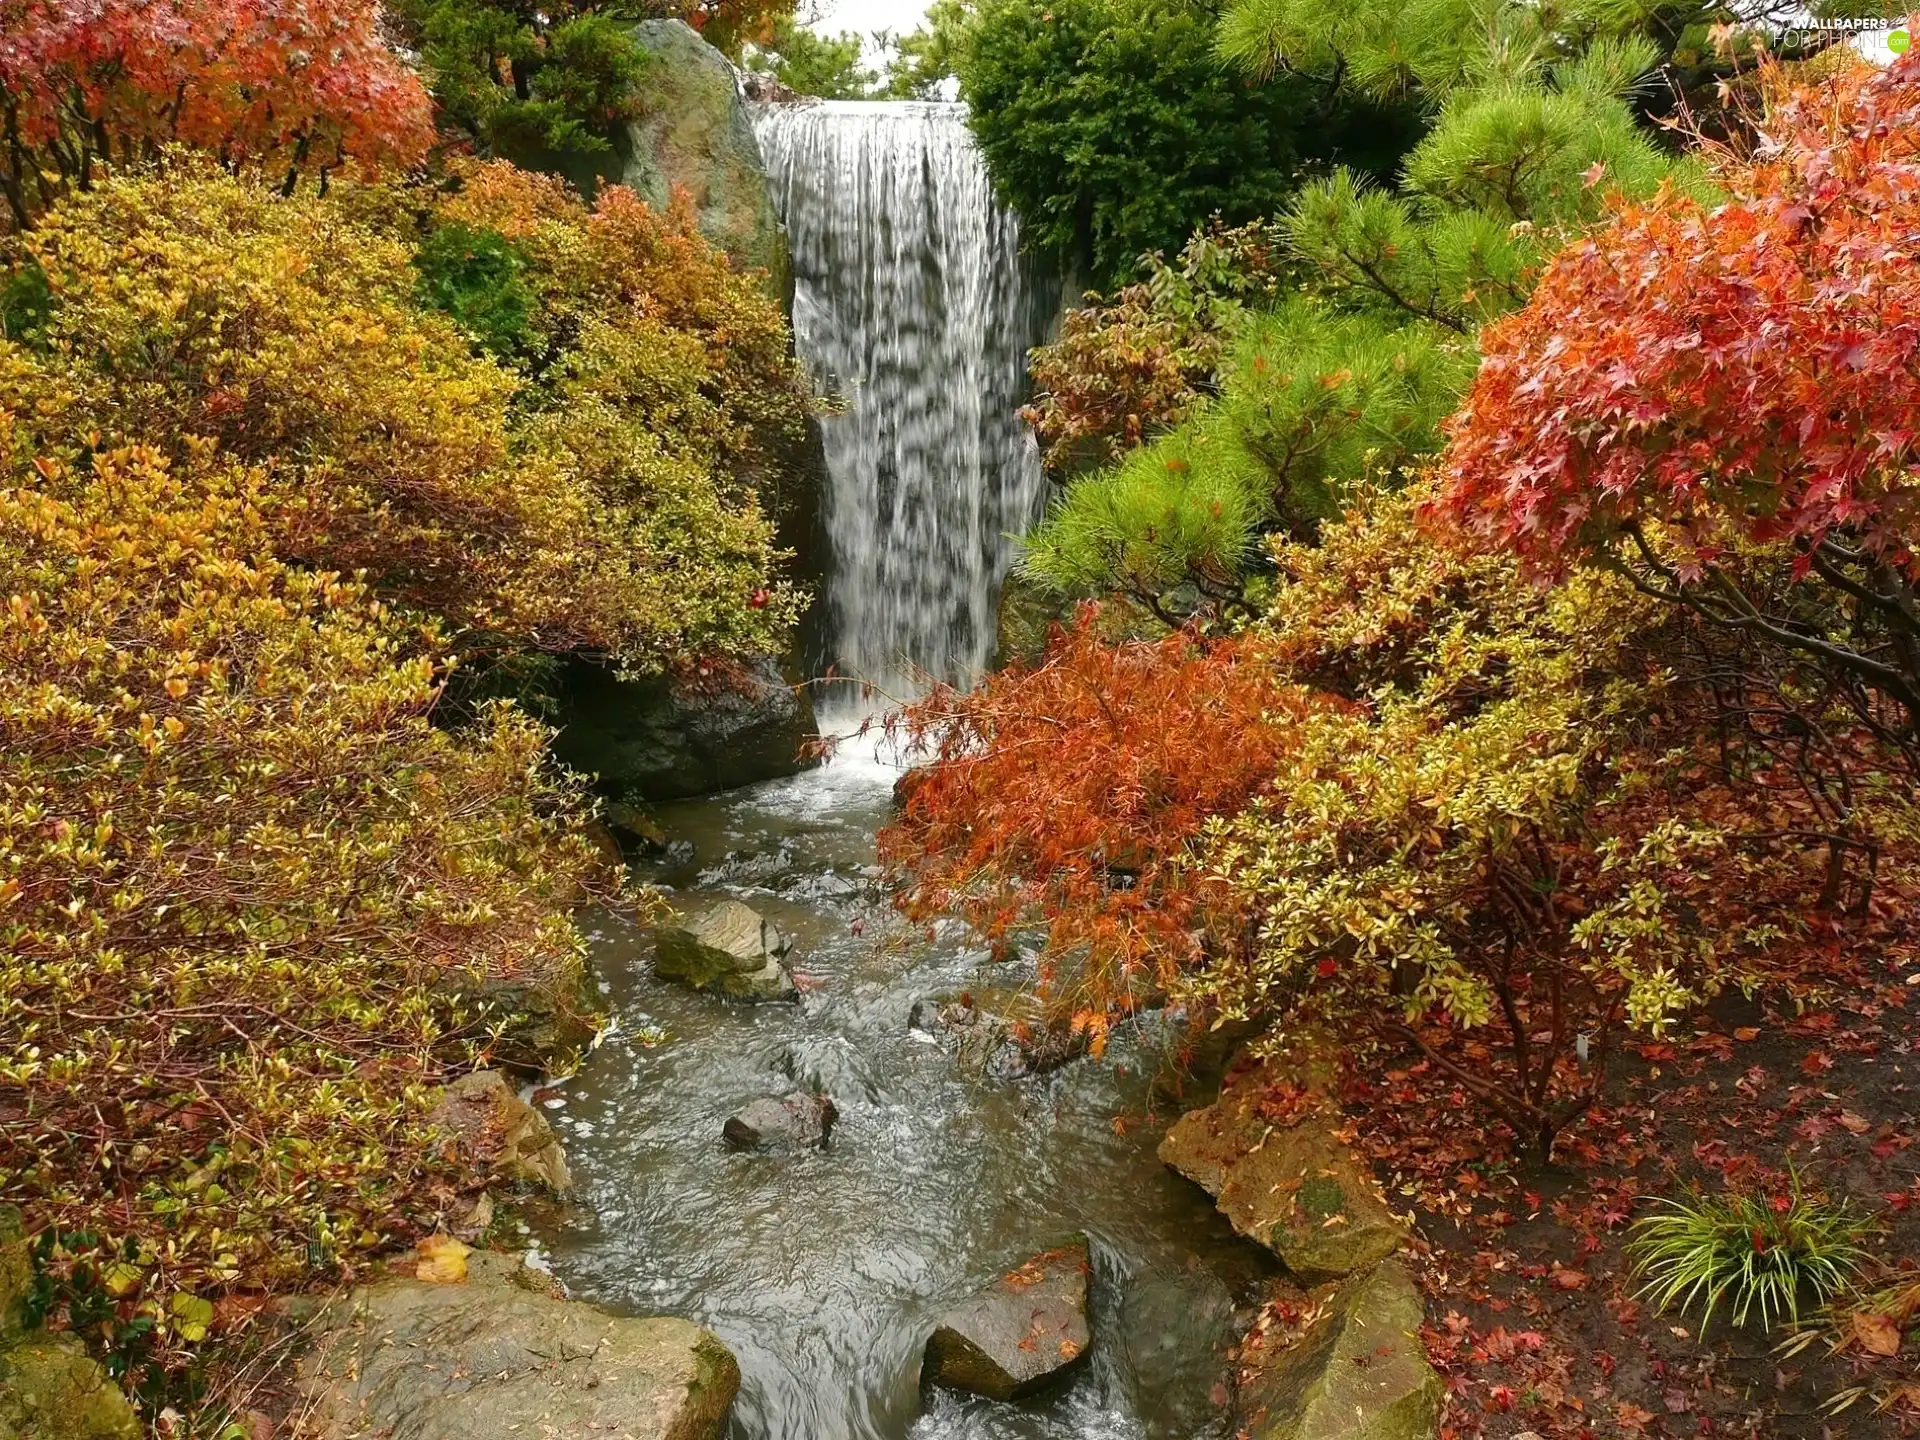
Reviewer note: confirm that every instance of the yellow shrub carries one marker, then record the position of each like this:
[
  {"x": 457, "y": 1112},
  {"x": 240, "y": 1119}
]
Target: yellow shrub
[
  {"x": 190, "y": 305},
  {"x": 244, "y": 881}
]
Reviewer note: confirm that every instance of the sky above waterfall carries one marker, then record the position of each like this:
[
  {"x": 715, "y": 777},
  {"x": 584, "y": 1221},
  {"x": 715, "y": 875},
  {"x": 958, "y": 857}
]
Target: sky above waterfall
[{"x": 864, "y": 17}]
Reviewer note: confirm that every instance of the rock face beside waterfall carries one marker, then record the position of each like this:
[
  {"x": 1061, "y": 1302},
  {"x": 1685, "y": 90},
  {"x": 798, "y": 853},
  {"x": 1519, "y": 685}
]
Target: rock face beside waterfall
[
  {"x": 497, "y": 1357},
  {"x": 696, "y": 135},
  {"x": 668, "y": 737}
]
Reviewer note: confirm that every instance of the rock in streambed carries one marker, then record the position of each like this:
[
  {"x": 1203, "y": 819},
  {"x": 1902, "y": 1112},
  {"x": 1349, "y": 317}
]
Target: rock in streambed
[
  {"x": 499, "y": 1356},
  {"x": 483, "y": 1122},
  {"x": 730, "y": 949},
  {"x": 787, "y": 1122},
  {"x": 1020, "y": 1334},
  {"x": 1003, "y": 1034}
]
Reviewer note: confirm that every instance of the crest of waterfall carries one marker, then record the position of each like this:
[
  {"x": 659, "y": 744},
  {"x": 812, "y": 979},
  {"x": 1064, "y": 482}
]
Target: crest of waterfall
[{"x": 912, "y": 302}]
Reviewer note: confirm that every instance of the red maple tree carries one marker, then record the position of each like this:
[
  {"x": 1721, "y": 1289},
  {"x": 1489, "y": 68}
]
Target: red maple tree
[
  {"x": 1070, "y": 797},
  {"x": 1726, "y": 398},
  {"x": 294, "y": 86}
]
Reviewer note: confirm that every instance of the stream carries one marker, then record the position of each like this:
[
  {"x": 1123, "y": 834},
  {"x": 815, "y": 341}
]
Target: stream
[{"x": 823, "y": 1271}]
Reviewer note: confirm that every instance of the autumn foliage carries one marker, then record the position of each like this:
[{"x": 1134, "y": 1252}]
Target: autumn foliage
[
  {"x": 1691, "y": 385},
  {"x": 289, "y": 86},
  {"x": 254, "y": 902},
  {"x": 1071, "y": 796}
]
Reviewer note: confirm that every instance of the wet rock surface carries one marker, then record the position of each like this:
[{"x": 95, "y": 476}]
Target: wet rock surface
[
  {"x": 50, "y": 1388},
  {"x": 696, "y": 135},
  {"x": 1268, "y": 1152},
  {"x": 483, "y": 1123},
  {"x": 499, "y": 1357},
  {"x": 1021, "y": 1334},
  {"x": 1358, "y": 1373},
  {"x": 666, "y": 737},
  {"x": 786, "y": 1122},
  {"x": 729, "y": 949},
  {"x": 1001, "y": 1034}
]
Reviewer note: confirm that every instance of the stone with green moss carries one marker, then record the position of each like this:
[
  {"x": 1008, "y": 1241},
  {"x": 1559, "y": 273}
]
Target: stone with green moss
[
  {"x": 50, "y": 1388},
  {"x": 1268, "y": 1152},
  {"x": 1359, "y": 1373},
  {"x": 500, "y": 1356},
  {"x": 729, "y": 949},
  {"x": 695, "y": 134}
]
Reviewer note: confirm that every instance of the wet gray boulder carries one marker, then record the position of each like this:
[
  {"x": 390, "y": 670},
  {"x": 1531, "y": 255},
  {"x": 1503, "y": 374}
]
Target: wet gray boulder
[
  {"x": 500, "y": 1357},
  {"x": 667, "y": 737},
  {"x": 50, "y": 1388},
  {"x": 1002, "y": 1034},
  {"x": 1268, "y": 1152},
  {"x": 730, "y": 949},
  {"x": 481, "y": 1122},
  {"x": 695, "y": 134},
  {"x": 1360, "y": 1372},
  {"x": 786, "y": 1122},
  {"x": 1020, "y": 1334}
]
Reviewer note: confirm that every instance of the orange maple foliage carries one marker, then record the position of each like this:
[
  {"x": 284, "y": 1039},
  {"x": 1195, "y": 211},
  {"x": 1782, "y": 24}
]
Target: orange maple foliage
[
  {"x": 291, "y": 85},
  {"x": 1693, "y": 382},
  {"x": 1071, "y": 795}
]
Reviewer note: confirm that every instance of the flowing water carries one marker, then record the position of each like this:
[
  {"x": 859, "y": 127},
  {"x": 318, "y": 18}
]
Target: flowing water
[
  {"x": 913, "y": 303},
  {"x": 824, "y": 1271}
]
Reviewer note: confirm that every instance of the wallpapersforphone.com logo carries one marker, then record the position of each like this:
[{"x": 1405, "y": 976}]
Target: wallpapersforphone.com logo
[{"x": 1898, "y": 41}]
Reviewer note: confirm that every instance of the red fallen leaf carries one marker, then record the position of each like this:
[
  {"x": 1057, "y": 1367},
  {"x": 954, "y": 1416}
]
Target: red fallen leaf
[
  {"x": 1501, "y": 1397},
  {"x": 1818, "y": 1062},
  {"x": 758, "y": 600},
  {"x": 1855, "y": 1123},
  {"x": 1569, "y": 1279},
  {"x": 1675, "y": 1400},
  {"x": 1747, "y": 1033}
]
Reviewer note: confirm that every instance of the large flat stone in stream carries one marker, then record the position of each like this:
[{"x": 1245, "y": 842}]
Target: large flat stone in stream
[
  {"x": 1359, "y": 1373},
  {"x": 1018, "y": 1335},
  {"x": 488, "y": 1359},
  {"x": 730, "y": 949},
  {"x": 1283, "y": 1177}
]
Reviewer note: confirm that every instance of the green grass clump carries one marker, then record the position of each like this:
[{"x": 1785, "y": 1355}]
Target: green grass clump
[{"x": 1751, "y": 1254}]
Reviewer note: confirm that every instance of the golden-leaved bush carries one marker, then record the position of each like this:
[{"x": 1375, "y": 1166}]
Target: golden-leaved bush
[
  {"x": 188, "y": 305},
  {"x": 254, "y": 901}
]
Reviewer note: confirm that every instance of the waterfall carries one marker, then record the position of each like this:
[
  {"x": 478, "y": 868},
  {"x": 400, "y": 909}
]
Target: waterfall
[{"x": 913, "y": 303}]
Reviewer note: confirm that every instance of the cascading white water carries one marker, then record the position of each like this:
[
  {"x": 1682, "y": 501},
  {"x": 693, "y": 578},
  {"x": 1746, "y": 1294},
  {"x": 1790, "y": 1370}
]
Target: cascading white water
[{"x": 913, "y": 302}]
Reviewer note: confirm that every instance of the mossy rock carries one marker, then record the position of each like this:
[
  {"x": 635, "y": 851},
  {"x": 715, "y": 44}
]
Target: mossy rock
[
  {"x": 1360, "y": 1373},
  {"x": 51, "y": 1389},
  {"x": 730, "y": 949},
  {"x": 1288, "y": 1183}
]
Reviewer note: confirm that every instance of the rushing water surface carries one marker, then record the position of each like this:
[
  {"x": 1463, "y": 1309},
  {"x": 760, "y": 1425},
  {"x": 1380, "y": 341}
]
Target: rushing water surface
[
  {"x": 911, "y": 301},
  {"x": 823, "y": 1271}
]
